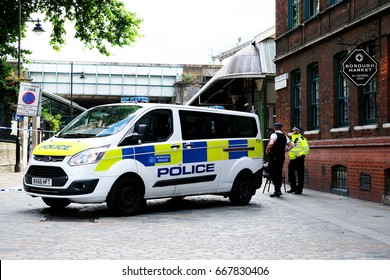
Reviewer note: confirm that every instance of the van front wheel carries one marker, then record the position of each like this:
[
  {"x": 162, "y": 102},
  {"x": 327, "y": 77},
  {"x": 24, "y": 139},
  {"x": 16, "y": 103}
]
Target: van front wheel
[
  {"x": 125, "y": 197},
  {"x": 242, "y": 190}
]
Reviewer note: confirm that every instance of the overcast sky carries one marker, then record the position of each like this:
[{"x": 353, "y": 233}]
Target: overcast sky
[{"x": 175, "y": 32}]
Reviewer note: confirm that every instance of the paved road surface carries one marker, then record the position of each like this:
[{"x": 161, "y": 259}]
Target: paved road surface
[{"x": 314, "y": 225}]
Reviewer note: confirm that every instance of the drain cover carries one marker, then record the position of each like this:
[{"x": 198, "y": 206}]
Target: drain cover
[{"x": 70, "y": 219}]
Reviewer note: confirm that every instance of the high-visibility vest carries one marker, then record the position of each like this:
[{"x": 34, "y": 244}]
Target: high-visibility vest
[{"x": 300, "y": 146}]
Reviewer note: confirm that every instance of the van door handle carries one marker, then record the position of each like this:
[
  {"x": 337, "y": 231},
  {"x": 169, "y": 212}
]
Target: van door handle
[
  {"x": 175, "y": 146},
  {"x": 189, "y": 145}
]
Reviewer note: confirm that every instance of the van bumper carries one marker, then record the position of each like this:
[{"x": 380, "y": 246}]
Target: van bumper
[{"x": 79, "y": 187}]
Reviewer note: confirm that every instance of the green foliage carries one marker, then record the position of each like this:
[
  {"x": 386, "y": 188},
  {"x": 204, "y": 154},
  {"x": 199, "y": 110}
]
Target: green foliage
[
  {"x": 9, "y": 88},
  {"x": 54, "y": 122},
  {"x": 187, "y": 79},
  {"x": 98, "y": 23}
]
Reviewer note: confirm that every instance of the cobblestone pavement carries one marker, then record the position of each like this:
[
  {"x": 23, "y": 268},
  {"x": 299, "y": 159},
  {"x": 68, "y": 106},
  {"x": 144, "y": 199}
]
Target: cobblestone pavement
[{"x": 314, "y": 225}]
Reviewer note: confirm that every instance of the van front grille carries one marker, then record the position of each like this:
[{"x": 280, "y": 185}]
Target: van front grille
[
  {"x": 49, "y": 158},
  {"x": 46, "y": 171}
]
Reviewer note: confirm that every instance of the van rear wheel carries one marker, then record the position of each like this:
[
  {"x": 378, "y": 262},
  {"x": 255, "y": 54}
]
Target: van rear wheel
[
  {"x": 242, "y": 190},
  {"x": 56, "y": 203},
  {"x": 125, "y": 197}
]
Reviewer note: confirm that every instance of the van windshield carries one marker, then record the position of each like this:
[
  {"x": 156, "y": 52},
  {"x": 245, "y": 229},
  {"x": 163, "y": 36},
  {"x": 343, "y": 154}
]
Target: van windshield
[{"x": 100, "y": 121}]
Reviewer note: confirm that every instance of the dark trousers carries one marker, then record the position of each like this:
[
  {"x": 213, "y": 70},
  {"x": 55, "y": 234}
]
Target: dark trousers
[
  {"x": 296, "y": 166},
  {"x": 275, "y": 169}
]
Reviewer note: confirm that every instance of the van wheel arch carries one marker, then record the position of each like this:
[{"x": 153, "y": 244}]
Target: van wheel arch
[
  {"x": 126, "y": 196},
  {"x": 243, "y": 188}
]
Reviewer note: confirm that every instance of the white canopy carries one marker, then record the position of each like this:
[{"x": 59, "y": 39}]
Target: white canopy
[{"x": 253, "y": 61}]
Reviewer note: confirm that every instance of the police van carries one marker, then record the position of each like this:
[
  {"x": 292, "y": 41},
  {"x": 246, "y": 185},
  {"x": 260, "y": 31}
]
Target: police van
[{"x": 124, "y": 154}]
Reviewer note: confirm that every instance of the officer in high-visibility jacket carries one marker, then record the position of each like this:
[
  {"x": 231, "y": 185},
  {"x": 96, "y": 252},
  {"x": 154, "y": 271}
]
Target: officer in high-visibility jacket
[{"x": 297, "y": 160}]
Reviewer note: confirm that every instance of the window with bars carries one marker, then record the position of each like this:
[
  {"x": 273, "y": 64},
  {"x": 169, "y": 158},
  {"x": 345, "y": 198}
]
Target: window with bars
[
  {"x": 339, "y": 177},
  {"x": 296, "y": 98},
  {"x": 293, "y": 13},
  {"x": 314, "y": 94},
  {"x": 387, "y": 181},
  {"x": 342, "y": 94}
]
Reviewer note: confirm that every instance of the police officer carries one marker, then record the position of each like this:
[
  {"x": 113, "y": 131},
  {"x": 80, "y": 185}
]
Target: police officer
[
  {"x": 297, "y": 160},
  {"x": 276, "y": 149}
]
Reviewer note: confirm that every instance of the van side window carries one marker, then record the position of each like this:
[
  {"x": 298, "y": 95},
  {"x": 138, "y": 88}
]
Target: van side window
[
  {"x": 159, "y": 125},
  {"x": 199, "y": 125},
  {"x": 238, "y": 126}
]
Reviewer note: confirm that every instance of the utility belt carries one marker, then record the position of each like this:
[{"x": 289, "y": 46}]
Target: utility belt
[{"x": 301, "y": 157}]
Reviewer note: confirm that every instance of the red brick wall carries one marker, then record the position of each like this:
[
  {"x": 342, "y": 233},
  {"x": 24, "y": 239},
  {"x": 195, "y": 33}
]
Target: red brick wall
[
  {"x": 281, "y": 13},
  {"x": 358, "y": 156},
  {"x": 359, "y": 150}
]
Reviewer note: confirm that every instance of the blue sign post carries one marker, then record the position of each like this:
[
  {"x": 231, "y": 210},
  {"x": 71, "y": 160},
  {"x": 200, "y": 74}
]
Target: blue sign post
[{"x": 29, "y": 97}]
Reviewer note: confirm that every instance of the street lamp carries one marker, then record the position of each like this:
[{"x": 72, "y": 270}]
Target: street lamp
[
  {"x": 37, "y": 29},
  {"x": 82, "y": 76}
]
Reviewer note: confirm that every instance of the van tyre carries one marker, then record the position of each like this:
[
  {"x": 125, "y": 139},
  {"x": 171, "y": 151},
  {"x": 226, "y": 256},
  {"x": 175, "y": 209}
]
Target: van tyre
[
  {"x": 56, "y": 203},
  {"x": 126, "y": 197},
  {"x": 242, "y": 190}
]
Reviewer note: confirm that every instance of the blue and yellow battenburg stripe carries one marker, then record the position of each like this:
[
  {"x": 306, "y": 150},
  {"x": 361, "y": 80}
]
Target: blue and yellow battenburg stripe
[{"x": 197, "y": 151}]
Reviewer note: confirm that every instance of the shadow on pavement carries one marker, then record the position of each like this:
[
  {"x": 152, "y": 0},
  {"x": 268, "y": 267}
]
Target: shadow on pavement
[{"x": 93, "y": 212}]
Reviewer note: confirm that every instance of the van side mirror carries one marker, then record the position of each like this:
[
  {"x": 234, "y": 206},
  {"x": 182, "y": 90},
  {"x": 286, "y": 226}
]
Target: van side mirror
[
  {"x": 135, "y": 137},
  {"x": 142, "y": 130}
]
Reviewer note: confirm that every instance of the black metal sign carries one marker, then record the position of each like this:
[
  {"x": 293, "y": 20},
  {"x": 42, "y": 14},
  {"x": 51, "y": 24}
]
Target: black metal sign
[{"x": 359, "y": 67}]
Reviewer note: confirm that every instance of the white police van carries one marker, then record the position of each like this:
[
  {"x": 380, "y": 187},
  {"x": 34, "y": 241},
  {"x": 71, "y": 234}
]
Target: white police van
[{"x": 124, "y": 154}]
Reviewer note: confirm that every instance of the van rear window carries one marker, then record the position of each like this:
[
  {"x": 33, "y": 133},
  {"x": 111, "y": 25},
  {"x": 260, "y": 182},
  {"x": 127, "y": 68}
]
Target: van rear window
[
  {"x": 202, "y": 125},
  {"x": 238, "y": 126}
]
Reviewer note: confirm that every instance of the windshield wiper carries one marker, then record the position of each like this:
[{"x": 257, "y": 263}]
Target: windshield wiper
[{"x": 77, "y": 135}]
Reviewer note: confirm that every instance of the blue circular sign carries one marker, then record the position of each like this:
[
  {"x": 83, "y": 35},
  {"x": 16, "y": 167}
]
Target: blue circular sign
[{"x": 28, "y": 97}]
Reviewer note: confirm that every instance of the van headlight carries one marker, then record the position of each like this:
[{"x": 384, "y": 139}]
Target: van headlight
[{"x": 88, "y": 156}]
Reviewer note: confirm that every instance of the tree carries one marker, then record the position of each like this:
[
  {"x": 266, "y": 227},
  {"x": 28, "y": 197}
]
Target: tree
[
  {"x": 8, "y": 87},
  {"x": 97, "y": 23},
  {"x": 53, "y": 122}
]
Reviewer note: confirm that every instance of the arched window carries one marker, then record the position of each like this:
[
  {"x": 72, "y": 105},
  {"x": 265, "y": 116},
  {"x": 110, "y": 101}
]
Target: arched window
[
  {"x": 368, "y": 96},
  {"x": 296, "y": 98},
  {"x": 342, "y": 93}
]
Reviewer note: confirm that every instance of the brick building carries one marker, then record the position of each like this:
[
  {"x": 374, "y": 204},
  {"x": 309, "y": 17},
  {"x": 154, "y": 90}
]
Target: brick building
[{"x": 348, "y": 126}]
